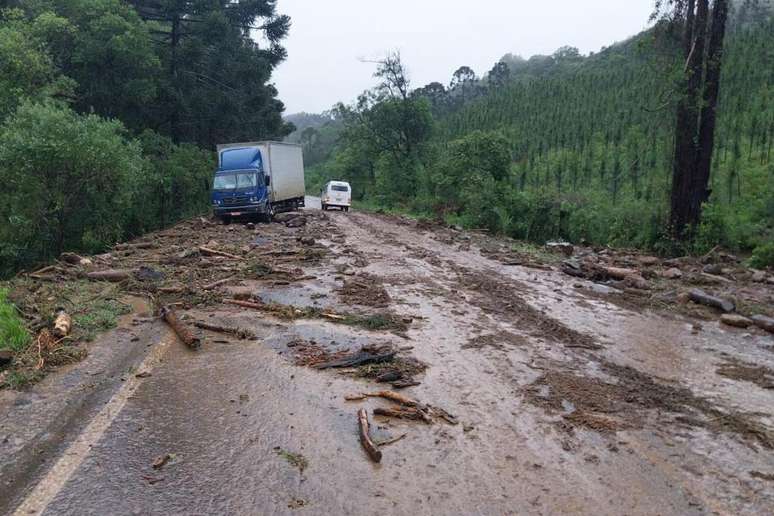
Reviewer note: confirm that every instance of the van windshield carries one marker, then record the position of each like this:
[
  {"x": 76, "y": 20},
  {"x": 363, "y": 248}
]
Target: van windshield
[
  {"x": 238, "y": 181},
  {"x": 339, "y": 188}
]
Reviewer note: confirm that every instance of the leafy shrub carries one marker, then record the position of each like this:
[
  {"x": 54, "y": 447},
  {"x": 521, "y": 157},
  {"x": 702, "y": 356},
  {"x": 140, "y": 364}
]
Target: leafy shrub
[
  {"x": 13, "y": 334},
  {"x": 763, "y": 256},
  {"x": 64, "y": 176}
]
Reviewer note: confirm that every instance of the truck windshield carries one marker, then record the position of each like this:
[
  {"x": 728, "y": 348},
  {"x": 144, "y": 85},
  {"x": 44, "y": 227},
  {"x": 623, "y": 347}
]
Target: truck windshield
[{"x": 238, "y": 181}]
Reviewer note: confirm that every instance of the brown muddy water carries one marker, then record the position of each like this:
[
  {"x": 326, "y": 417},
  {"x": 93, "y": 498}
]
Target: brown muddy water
[{"x": 566, "y": 403}]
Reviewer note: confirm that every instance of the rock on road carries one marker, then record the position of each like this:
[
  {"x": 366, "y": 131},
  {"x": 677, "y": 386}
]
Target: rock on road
[{"x": 567, "y": 403}]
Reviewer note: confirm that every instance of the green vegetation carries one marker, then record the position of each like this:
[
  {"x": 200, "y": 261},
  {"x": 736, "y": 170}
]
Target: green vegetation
[
  {"x": 294, "y": 459},
  {"x": 568, "y": 146},
  {"x": 109, "y": 112},
  {"x": 13, "y": 334}
]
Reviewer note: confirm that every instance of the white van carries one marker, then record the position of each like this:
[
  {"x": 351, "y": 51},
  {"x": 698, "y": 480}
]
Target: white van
[{"x": 336, "y": 194}]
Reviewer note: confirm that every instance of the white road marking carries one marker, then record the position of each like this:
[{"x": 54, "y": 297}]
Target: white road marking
[{"x": 56, "y": 478}]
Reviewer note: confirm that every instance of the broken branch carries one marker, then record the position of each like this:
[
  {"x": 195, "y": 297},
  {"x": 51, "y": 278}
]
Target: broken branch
[
  {"x": 244, "y": 304},
  {"x": 216, "y": 284},
  {"x": 239, "y": 332},
  {"x": 365, "y": 439},
  {"x": 206, "y": 251}
]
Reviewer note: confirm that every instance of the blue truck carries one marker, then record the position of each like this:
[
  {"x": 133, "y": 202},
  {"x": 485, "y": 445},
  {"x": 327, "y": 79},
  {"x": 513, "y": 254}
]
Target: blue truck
[{"x": 258, "y": 179}]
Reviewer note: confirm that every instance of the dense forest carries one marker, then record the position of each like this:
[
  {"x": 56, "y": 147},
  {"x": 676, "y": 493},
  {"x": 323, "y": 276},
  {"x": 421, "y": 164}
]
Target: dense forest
[
  {"x": 566, "y": 145},
  {"x": 109, "y": 111}
]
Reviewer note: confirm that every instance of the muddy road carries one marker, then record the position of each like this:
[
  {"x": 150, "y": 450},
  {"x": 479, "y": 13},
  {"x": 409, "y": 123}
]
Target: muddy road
[{"x": 562, "y": 401}]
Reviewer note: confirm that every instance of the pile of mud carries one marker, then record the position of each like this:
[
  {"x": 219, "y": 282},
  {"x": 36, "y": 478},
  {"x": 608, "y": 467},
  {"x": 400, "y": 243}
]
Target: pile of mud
[
  {"x": 365, "y": 290},
  {"x": 593, "y": 403},
  {"x": 494, "y": 295}
]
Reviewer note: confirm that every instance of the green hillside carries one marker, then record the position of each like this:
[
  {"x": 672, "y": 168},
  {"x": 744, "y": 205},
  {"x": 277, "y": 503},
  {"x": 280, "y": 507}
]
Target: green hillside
[{"x": 589, "y": 145}]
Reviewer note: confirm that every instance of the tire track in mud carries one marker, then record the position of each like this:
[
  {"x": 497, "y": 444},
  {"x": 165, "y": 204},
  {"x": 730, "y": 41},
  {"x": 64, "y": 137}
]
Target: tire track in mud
[{"x": 581, "y": 389}]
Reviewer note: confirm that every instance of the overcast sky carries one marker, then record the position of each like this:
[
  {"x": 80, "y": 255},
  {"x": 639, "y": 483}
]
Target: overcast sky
[{"x": 329, "y": 39}]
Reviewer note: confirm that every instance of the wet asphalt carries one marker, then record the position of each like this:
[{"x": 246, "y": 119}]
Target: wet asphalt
[{"x": 244, "y": 431}]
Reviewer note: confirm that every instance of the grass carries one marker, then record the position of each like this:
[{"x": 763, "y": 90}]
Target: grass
[
  {"x": 294, "y": 459},
  {"x": 13, "y": 334},
  {"x": 102, "y": 315},
  {"x": 21, "y": 379},
  {"x": 376, "y": 322},
  {"x": 536, "y": 252},
  {"x": 92, "y": 306}
]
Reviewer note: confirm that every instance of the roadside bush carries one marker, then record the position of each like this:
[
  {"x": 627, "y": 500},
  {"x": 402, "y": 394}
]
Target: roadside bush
[
  {"x": 13, "y": 334},
  {"x": 763, "y": 256},
  {"x": 175, "y": 185},
  {"x": 64, "y": 176}
]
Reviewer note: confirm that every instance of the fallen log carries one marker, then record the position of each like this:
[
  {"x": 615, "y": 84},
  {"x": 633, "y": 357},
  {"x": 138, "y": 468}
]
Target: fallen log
[
  {"x": 619, "y": 273},
  {"x": 41, "y": 273},
  {"x": 74, "y": 259},
  {"x": 412, "y": 413},
  {"x": 714, "y": 278},
  {"x": 245, "y": 304},
  {"x": 360, "y": 358},
  {"x": 216, "y": 284},
  {"x": 763, "y": 322},
  {"x": 111, "y": 275},
  {"x": 735, "y": 320},
  {"x": 62, "y": 325},
  {"x": 206, "y": 251},
  {"x": 238, "y": 332},
  {"x": 181, "y": 329},
  {"x": 699, "y": 296},
  {"x": 393, "y": 396},
  {"x": 365, "y": 438},
  {"x": 138, "y": 245}
]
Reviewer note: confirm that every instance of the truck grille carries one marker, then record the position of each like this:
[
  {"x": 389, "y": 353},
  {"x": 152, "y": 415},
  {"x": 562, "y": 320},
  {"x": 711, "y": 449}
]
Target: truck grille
[{"x": 235, "y": 201}]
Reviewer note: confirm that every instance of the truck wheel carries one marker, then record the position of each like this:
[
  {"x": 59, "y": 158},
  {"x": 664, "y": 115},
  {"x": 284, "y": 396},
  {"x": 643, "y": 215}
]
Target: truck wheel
[
  {"x": 346, "y": 209},
  {"x": 269, "y": 215},
  {"x": 324, "y": 207},
  {"x": 226, "y": 219}
]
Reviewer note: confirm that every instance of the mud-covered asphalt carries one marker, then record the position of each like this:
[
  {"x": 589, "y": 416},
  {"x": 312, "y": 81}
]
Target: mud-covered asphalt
[{"x": 566, "y": 403}]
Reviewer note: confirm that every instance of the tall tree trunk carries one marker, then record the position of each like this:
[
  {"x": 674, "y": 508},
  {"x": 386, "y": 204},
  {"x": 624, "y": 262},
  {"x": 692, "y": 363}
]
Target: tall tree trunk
[
  {"x": 709, "y": 107},
  {"x": 684, "y": 212},
  {"x": 175, "y": 116}
]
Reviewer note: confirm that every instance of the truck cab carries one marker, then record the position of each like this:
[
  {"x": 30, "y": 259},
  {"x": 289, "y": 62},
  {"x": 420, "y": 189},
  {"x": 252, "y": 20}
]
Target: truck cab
[
  {"x": 257, "y": 179},
  {"x": 336, "y": 194}
]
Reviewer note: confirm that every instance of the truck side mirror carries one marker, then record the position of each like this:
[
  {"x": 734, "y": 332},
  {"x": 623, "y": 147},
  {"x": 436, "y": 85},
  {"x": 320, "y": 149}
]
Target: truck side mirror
[{"x": 268, "y": 180}]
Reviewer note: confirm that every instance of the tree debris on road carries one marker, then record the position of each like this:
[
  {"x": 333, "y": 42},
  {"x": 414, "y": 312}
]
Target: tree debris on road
[
  {"x": 114, "y": 276},
  {"x": 365, "y": 438},
  {"x": 699, "y": 296},
  {"x": 181, "y": 329},
  {"x": 238, "y": 332},
  {"x": 62, "y": 324},
  {"x": 366, "y": 355}
]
